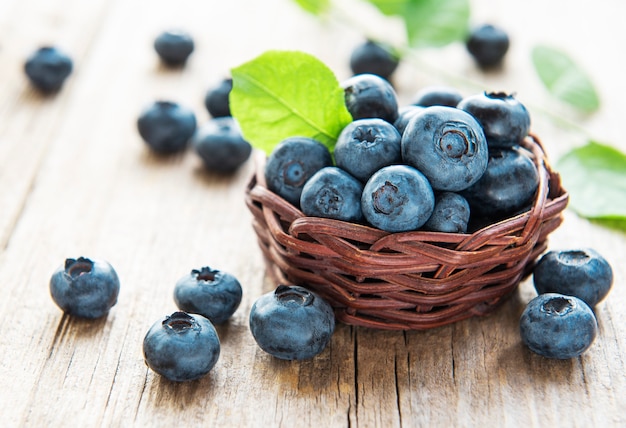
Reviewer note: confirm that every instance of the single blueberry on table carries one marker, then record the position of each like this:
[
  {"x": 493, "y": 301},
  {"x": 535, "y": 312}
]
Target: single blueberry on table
[
  {"x": 488, "y": 45},
  {"x": 332, "y": 193},
  {"x": 217, "y": 101},
  {"x": 292, "y": 162},
  {"x": 47, "y": 68},
  {"x": 166, "y": 127},
  {"x": 405, "y": 114},
  {"x": 368, "y": 96},
  {"x": 558, "y": 326},
  {"x": 397, "y": 198},
  {"x": 181, "y": 347},
  {"x": 373, "y": 58},
  {"x": 366, "y": 145},
  {"x": 451, "y": 214},
  {"x": 292, "y": 323},
  {"x": 220, "y": 145},
  {"x": 583, "y": 273},
  {"x": 174, "y": 47},
  {"x": 508, "y": 185},
  {"x": 437, "y": 96},
  {"x": 504, "y": 119},
  {"x": 86, "y": 288},
  {"x": 214, "y": 294},
  {"x": 447, "y": 145}
]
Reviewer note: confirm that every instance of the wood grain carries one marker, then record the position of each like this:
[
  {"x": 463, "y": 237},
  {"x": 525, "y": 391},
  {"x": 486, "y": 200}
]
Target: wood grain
[{"x": 75, "y": 179}]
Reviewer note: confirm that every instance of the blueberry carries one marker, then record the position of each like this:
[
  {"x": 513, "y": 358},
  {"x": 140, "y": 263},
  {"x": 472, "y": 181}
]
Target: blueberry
[
  {"x": 397, "y": 198},
  {"x": 86, "y": 288},
  {"x": 437, "y": 96},
  {"x": 292, "y": 323},
  {"x": 214, "y": 294},
  {"x": 47, "y": 68},
  {"x": 447, "y": 145},
  {"x": 451, "y": 214},
  {"x": 292, "y": 162},
  {"x": 488, "y": 45},
  {"x": 181, "y": 347},
  {"x": 366, "y": 145},
  {"x": 405, "y": 114},
  {"x": 508, "y": 185},
  {"x": 174, "y": 47},
  {"x": 166, "y": 126},
  {"x": 557, "y": 326},
  {"x": 221, "y": 145},
  {"x": 504, "y": 119},
  {"x": 368, "y": 95},
  {"x": 332, "y": 193},
  {"x": 373, "y": 58},
  {"x": 217, "y": 101},
  {"x": 583, "y": 273}
]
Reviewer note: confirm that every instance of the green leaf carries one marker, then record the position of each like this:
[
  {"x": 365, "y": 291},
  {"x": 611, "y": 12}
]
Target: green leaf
[
  {"x": 283, "y": 94},
  {"x": 564, "y": 79},
  {"x": 316, "y": 7},
  {"x": 595, "y": 176},
  {"x": 430, "y": 22},
  {"x": 391, "y": 7}
]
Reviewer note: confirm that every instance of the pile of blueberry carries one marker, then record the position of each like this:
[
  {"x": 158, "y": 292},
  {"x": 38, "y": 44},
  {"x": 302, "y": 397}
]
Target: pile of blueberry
[
  {"x": 168, "y": 127},
  {"x": 445, "y": 163},
  {"x": 290, "y": 323},
  {"x": 165, "y": 126}
]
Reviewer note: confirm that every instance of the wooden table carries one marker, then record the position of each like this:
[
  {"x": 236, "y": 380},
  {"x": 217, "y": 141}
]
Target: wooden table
[{"x": 75, "y": 179}]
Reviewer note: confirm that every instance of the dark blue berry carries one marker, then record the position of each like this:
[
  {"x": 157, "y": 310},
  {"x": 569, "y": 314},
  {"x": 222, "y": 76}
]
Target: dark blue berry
[
  {"x": 508, "y": 185},
  {"x": 488, "y": 45},
  {"x": 437, "y": 96},
  {"x": 583, "y": 273},
  {"x": 174, "y": 47},
  {"x": 332, "y": 193},
  {"x": 405, "y": 114},
  {"x": 221, "y": 145},
  {"x": 181, "y": 347},
  {"x": 373, "y": 58},
  {"x": 217, "y": 101},
  {"x": 504, "y": 119},
  {"x": 397, "y": 198},
  {"x": 447, "y": 145},
  {"x": 214, "y": 294},
  {"x": 558, "y": 326},
  {"x": 292, "y": 162},
  {"x": 451, "y": 214},
  {"x": 368, "y": 96},
  {"x": 366, "y": 145},
  {"x": 47, "y": 68},
  {"x": 86, "y": 288},
  {"x": 292, "y": 323},
  {"x": 166, "y": 126}
]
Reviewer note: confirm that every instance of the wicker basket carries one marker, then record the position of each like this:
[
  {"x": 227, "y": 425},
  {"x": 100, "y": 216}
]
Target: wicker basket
[{"x": 408, "y": 280}]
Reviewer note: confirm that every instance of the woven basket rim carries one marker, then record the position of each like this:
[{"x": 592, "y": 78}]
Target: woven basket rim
[{"x": 405, "y": 280}]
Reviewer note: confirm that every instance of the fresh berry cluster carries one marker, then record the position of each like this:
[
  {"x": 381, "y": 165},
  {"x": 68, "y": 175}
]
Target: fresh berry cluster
[
  {"x": 445, "y": 163},
  {"x": 167, "y": 127},
  {"x": 290, "y": 323},
  {"x": 561, "y": 322},
  {"x": 431, "y": 165}
]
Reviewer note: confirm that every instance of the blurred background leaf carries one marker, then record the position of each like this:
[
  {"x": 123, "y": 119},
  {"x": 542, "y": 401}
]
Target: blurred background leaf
[{"x": 564, "y": 79}]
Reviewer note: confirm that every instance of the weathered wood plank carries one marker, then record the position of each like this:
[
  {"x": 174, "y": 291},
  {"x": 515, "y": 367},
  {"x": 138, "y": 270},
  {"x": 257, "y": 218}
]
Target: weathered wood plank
[{"x": 75, "y": 179}]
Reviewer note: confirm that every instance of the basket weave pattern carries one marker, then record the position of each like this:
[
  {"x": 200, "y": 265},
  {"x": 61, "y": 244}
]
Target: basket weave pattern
[{"x": 409, "y": 280}]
